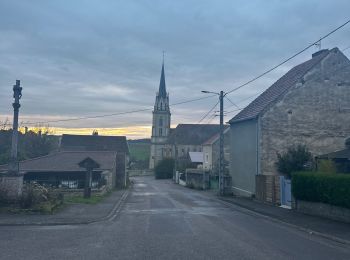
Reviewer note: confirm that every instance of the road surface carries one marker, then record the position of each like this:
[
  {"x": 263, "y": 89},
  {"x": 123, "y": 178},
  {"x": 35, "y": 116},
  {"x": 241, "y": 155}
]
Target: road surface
[{"x": 161, "y": 220}]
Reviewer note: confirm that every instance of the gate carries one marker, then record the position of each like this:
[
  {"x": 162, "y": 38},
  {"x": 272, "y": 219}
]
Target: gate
[{"x": 286, "y": 193}]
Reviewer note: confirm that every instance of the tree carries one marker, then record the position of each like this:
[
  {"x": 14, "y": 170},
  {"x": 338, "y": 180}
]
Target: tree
[
  {"x": 295, "y": 159},
  {"x": 164, "y": 169},
  {"x": 31, "y": 144}
]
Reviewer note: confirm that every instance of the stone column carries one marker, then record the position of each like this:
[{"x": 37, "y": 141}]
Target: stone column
[{"x": 11, "y": 181}]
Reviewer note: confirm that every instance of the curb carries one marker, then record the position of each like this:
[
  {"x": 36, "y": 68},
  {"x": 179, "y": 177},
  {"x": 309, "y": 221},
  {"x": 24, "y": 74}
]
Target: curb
[
  {"x": 277, "y": 220},
  {"x": 111, "y": 215}
]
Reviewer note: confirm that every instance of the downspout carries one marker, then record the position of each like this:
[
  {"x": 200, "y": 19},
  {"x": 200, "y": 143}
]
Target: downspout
[{"x": 258, "y": 131}]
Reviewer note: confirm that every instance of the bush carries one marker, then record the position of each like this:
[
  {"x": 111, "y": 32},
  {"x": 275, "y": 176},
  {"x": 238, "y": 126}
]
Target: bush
[
  {"x": 164, "y": 169},
  {"x": 295, "y": 159},
  {"x": 332, "y": 189},
  {"x": 35, "y": 195}
]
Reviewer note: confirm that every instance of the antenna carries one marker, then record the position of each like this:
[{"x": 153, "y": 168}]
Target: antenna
[{"x": 163, "y": 56}]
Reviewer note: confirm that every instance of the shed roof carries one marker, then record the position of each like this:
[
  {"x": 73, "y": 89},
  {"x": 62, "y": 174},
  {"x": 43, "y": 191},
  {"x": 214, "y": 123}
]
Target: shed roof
[
  {"x": 342, "y": 154},
  {"x": 66, "y": 161},
  {"x": 196, "y": 157},
  {"x": 280, "y": 87},
  {"x": 193, "y": 134},
  {"x": 94, "y": 143}
]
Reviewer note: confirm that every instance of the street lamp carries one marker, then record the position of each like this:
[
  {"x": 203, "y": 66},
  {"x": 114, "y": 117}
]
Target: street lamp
[{"x": 221, "y": 140}]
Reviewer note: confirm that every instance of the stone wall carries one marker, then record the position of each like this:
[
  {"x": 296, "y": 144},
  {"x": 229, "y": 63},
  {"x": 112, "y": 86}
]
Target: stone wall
[
  {"x": 323, "y": 210},
  {"x": 315, "y": 112},
  {"x": 12, "y": 186},
  {"x": 197, "y": 179}
]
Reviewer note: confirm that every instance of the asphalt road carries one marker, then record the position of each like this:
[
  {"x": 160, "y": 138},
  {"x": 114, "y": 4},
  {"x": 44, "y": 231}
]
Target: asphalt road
[{"x": 160, "y": 220}]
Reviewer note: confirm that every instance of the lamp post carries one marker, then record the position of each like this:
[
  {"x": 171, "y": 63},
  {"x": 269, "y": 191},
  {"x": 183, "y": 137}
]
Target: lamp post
[{"x": 221, "y": 95}]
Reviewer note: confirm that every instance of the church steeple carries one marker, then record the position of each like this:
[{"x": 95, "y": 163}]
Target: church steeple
[
  {"x": 160, "y": 123},
  {"x": 162, "y": 87}
]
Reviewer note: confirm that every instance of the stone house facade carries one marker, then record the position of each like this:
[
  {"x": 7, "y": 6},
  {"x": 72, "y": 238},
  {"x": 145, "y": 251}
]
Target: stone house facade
[
  {"x": 211, "y": 152},
  {"x": 309, "y": 105}
]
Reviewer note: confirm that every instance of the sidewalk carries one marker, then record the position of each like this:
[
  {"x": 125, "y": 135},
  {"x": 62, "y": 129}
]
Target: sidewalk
[
  {"x": 70, "y": 214},
  {"x": 330, "y": 229}
]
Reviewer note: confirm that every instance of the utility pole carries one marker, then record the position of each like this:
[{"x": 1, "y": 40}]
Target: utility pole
[
  {"x": 221, "y": 140},
  {"x": 17, "y": 94},
  {"x": 221, "y": 144}
]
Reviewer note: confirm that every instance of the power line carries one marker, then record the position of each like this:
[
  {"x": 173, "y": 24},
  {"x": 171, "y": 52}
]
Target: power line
[
  {"x": 113, "y": 114},
  {"x": 208, "y": 112},
  {"x": 285, "y": 61},
  {"x": 233, "y": 104}
]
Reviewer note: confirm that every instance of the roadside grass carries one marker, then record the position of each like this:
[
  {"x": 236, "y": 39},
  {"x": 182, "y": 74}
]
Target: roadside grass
[{"x": 94, "y": 199}]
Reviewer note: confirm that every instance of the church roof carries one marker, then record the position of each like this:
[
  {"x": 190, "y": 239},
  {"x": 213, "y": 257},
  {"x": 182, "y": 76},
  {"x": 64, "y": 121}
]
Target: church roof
[
  {"x": 280, "y": 87},
  {"x": 162, "y": 87},
  {"x": 192, "y": 134}
]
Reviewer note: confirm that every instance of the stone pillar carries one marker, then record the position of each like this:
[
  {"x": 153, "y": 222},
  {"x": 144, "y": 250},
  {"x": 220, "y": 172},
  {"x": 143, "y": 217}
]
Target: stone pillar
[
  {"x": 12, "y": 182},
  {"x": 17, "y": 94}
]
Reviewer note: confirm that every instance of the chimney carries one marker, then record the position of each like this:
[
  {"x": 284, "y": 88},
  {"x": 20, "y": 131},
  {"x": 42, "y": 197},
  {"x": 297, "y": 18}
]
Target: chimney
[{"x": 319, "y": 52}]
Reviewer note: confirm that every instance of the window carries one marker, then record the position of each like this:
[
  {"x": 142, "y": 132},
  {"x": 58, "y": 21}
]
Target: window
[
  {"x": 160, "y": 131},
  {"x": 206, "y": 157},
  {"x": 160, "y": 121}
]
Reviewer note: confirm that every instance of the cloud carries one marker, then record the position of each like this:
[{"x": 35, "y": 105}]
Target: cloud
[{"x": 81, "y": 58}]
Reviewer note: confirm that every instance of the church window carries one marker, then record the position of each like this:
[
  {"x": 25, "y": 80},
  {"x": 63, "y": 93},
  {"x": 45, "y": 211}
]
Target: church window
[
  {"x": 161, "y": 105},
  {"x": 160, "y": 121},
  {"x": 160, "y": 131}
]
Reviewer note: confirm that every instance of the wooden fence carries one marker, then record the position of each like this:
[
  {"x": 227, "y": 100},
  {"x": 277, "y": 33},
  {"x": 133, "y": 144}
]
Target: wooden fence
[{"x": 268, "y": 188}]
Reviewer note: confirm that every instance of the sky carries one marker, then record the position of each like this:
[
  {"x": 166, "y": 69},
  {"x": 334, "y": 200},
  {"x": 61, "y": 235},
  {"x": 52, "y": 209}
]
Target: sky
[{"x": 88, "y": 58}]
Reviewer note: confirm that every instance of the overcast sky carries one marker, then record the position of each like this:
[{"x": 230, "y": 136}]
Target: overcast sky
[{"x": 85, "y": 58}]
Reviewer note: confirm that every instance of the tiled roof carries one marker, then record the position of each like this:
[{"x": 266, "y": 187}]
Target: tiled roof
[
  {"x": 192, "y": 134},
  {"x": 215, "y": 137},
  {"x": 94, "y": 143},
  {"x": 279, "y": 88},
  {"x": 66, "y": 161}
]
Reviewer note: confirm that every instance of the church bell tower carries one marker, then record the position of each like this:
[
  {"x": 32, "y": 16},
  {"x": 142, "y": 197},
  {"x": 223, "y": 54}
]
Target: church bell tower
[{"x": 160, "y": 124}]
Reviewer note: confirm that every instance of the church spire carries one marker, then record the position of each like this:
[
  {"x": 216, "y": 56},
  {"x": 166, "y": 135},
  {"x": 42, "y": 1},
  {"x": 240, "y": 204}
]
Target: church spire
[{"x": 162, "y": 87}]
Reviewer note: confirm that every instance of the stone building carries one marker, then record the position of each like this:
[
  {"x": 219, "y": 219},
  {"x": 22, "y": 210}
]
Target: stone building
[
  {"x": 97, "y": 143},
  {"x": 309, "y": 105},
  {"x": 160, "y": 124},
  {"x": 211, "y": 152}
]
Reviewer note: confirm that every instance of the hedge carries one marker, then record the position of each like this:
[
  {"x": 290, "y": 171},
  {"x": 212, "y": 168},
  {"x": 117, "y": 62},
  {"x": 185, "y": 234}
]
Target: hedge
[
  {"x": 164, "y": 169},
  {"x": 332, "y": 189}
]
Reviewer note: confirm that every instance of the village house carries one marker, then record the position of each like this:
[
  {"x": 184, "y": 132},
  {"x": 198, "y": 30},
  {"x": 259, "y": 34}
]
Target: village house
[
  {"x": 309, "y": 105},
  {"x": 61, "y": 169},
  {"x": 97, "y": 143},
  {"x": 211, "y": 152}
]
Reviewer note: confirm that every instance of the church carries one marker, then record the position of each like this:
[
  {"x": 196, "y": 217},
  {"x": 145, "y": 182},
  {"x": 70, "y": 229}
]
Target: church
[
  {"x": 177, "y": 142},
  {"x": 160, "y": 124}
]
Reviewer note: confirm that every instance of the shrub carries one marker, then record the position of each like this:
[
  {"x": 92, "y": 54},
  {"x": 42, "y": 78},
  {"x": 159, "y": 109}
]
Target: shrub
[
  {"x": 35, "y": 195},
  {"x": 332, "y": 189},
  {"x": 164, "y": 169},
  {"x": 326, "y": 166},
  {"x": 295, "y": 159}
]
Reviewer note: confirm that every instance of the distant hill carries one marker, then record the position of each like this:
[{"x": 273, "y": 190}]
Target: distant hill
[{"x": 140, "y": 141}]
